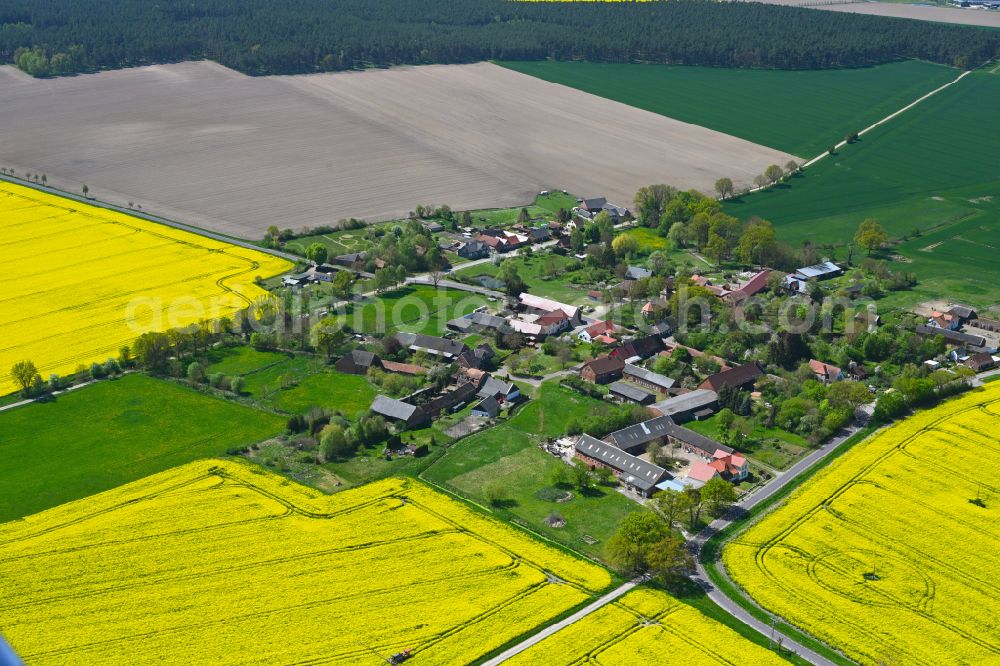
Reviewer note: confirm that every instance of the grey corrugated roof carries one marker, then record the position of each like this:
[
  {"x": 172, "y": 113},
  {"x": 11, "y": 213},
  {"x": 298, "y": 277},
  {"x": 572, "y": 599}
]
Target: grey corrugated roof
[
  {"x": 638, "y": 272},
  {"x": 396, "y": 409},
  {"x": 648, "y": 375},
  {"x": 630, "y": 391},
  {"x": 953, "y": 336},
  {"x": 488, "y": 405},
  {"x": 642, "y": 433},
  {"x": 818, "y": 270},
  {"x": 431, "y": 343},
  {"x": 687, "y": 402},
  {"x": 494, "y": 386},
  {"x": 635, "y": 471}
]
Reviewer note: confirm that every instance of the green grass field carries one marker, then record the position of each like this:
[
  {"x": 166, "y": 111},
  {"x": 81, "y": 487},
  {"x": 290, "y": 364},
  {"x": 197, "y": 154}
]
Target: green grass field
[
  {"x": 507, "y": 455},
  {"x": 543, "y": 273},
  {"x": 415, "y": 308},
  {"x": 934, "y": 168},
  {"x": 543, "y": 207},
  {"x": 296, "y": 383},
  {"x": 799, "y": 112},
  {"x": 241, "y": 360},
  {"x": 338, "y": 242},
  {"x": 101, "y": 436}
]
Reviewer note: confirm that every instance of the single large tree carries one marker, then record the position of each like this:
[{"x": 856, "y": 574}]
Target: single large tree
[
  {"x": 317, "y": 252},
  {"x": 328, "y": 335},
  {"x": 774, "y": 173},
  {"x": 724, "y": 187},
  {"x": 717, "y": 496},
  {"x": 25, "y": 375},
  {"x": 629, "y": 548},
  {"x": 669, "y": 559},
  {"x": 871, "y": 235}
]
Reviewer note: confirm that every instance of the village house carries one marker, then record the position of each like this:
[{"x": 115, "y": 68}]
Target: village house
[
  {"x": 358, "y": 362},
  {"x": 503, "y": 392},
  {"x": 602, "y": 370},
  {"x": 540, "y": 306},
  {"x": 741, "y": 377},
  {"x": 952, "y": 337},
  {"x": 944, "y": 320},
  {"x": 488, "y": 407},
  {"x": 691, "y": 406},
  {"x": 981, "y": 361},
  {"x": 963, "y": 313},
  {"x": 606, "y": 328},
  {"x": 639, "y": 348},
  {"x": 641, "y": 434},
  {"x": 825, "y": 372},
  {"x": 626, "y": 392},
  {"x": 647, "y": 379},
  {"x": 633, "y": 473},
  {"x": 440, "y": 347},
  {"x": 753, "y": 286},
  {"x": 589, "y": 208},
  {"x": 403, "y": 368},
  {"x": 798, "y": 281},
  {"x": 637, "y": 273},
  {"x": 729, "y": 466},
  {"x": 397, "y": 410},
  {"x": 473, "y": 250}
]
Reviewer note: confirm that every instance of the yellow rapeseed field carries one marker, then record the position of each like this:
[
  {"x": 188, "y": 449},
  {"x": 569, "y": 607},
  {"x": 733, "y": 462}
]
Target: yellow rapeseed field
[
  {"x": 887, "y": 553},
  {"x": 223, "y": 563},
  {"x": 80, "y": 281},
  {"x": 646, "y": 626}
]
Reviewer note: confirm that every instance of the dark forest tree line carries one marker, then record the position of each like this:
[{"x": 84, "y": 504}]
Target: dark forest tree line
[{"x": 52, "y": 37}]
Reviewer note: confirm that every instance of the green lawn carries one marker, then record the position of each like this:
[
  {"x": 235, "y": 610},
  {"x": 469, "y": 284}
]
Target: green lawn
[
  {"x": 507, "y": 455},
  {"x": 415, "y": 308},
  {"x": 772, "y": 446},
  {"x": 799, "y": 112},
  {"x": 545, "y": 275},
  {"x": 543, "y": 207},
  {"x": 296, "y": 383},
  {"x": 241, "y": 360},
  {"x": 934, "y": 168},
  {"x": 337, "y": 243},
  {"x": 102, "y": 436}
]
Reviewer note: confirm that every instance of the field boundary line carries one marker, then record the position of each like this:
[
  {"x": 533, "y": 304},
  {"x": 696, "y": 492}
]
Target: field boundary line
[{"x": 149, "y": 217}]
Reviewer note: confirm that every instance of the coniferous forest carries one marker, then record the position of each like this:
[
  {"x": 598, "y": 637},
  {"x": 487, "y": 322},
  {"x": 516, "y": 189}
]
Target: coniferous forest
[{"x": 52, "y": 37}]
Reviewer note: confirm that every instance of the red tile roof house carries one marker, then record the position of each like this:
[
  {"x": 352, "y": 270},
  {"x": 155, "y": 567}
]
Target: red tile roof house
[
  {"x": 825, "y": 372},
  {"x": 602, "y": 370},
  {"x": 596, "y": 329},
  {"x": 752, "y": 286},
  {"x": 729, "y": 466}
]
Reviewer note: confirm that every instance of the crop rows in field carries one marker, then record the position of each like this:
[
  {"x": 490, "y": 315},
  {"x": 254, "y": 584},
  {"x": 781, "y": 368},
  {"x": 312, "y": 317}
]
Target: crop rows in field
[
  {"x": 81, "y": 281},
  {"x": 216, "y": 561},
  {"x": 885, "y": 555},
  {"x": 646, "y": 626}
]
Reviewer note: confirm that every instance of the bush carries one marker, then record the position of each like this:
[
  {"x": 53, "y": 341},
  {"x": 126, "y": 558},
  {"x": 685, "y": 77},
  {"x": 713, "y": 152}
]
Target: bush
[{"x": 550, "y": 494}]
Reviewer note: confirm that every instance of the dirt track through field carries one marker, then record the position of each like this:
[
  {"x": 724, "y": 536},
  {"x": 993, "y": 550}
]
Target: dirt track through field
[{"x": 208, "y": 146}]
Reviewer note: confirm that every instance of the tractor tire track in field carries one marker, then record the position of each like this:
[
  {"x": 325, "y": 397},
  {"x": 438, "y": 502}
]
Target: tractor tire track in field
[{"x": 761, "y": 555}]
